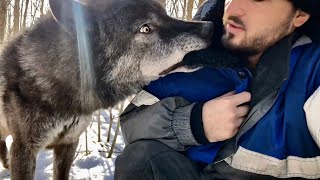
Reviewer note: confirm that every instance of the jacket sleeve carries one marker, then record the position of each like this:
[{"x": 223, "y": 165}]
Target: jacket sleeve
[
  {"x": 167, "y": 121},
  {"x": 312, "y": 110}
]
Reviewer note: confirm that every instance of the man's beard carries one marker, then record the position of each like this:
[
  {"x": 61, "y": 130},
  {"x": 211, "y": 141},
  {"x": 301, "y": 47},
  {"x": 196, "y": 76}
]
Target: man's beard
[{"x": 258, "y": 43}]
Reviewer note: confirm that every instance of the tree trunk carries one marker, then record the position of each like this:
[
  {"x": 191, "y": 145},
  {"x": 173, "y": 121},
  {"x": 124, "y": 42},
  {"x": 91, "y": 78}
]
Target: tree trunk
[
  {"x": 37, "y": 7},
  {"x": 200, "y": 2},
  {"x": 3, "y": 19},
  {"x": 21, "y": 13},
  {"x": 184, "y": 9},
  {"x": 9, "y": 22},
  {"x": 41, "y": 8},
  {"x": 189, "y": 9},
  {"x": 25, "y": 15},
  {"x": 16, "y": 17}
]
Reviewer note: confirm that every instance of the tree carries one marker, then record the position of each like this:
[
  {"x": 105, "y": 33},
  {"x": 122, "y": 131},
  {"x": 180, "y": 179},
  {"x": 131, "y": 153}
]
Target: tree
[
  {"x": 41, "y": 8},
  {"x": 25, "y": 14},
  {"x": 200, "y": 2},
  {"x": 184, "y": 7},
  {"x": 16, "y": 16},
  {"x": 3, "y": 19},
  {"x": 189, "y": 9}
]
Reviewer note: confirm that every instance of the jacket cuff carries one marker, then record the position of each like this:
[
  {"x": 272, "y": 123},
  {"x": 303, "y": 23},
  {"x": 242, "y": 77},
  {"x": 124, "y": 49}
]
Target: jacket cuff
[
  {"x": 181, "y": 125},
  {"x": 197, "y": 124}
]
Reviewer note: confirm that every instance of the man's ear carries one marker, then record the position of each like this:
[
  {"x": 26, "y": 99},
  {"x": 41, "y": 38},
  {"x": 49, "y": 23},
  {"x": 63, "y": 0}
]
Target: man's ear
[
  {"x": 300, "y": 18},
  {"x": 72, "y": 13}
]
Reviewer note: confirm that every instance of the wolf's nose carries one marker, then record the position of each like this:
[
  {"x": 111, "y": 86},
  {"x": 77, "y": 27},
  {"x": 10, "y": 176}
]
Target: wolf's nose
[{"x": 207, "y": 28}]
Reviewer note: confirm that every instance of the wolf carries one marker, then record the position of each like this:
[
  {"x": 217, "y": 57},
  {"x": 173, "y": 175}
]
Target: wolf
[{"x": 54, "y": 75}]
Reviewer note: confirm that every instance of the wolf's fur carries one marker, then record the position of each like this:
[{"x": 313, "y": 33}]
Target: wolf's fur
[{"x": 42, "y": 102}]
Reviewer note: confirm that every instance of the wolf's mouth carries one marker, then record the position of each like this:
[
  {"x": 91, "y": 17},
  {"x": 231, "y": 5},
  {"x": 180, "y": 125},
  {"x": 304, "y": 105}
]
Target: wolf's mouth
[{"x": 172, "y": 68}]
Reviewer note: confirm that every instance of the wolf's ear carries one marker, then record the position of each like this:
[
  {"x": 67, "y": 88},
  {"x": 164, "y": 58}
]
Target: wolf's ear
[{"x": 72, "y": 13}]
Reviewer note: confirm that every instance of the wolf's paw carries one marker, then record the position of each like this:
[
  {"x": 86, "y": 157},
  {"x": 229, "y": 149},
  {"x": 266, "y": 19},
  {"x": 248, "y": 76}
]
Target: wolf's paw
[{"x": 5, "y": 163}]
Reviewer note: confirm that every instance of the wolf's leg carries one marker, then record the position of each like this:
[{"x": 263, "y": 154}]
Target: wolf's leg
[
  {"x": 4, "y": 132},
  {"x": 3, "y": 153},
  {"x": 22, "y": 160},
  {"x": 63, "y": 158}
]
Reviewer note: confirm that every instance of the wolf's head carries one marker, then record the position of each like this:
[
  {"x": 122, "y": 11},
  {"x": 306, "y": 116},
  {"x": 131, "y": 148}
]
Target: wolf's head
[{"x": 132, "y": 42}]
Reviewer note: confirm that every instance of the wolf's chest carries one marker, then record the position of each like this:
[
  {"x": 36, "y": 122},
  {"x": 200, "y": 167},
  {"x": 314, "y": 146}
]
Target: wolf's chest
[{"x": 67, "y": 131}]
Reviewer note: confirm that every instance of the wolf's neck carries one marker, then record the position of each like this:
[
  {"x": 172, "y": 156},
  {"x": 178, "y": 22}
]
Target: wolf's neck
[{"x": 113, "y": 92}]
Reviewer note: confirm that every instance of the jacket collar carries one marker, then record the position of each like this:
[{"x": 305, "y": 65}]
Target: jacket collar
[
  {"x": 274, "y": 66},
  {"x": 303, "y": 40}
]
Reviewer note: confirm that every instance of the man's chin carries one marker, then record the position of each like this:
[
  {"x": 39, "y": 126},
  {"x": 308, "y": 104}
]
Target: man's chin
[
  {"x": 239, "y": 49},
  {"x": 231, "y": 44}
]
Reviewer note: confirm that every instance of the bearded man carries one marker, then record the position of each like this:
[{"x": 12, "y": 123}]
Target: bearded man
[{"x": 267, "y": 128}]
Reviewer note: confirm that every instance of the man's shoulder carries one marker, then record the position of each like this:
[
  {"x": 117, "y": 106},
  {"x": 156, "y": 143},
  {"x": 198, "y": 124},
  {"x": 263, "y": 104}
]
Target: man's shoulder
[
  {"x": 308, "y": 53},
  {"x": 308, "y": 49},
  {"x": 204, "y": 9}
]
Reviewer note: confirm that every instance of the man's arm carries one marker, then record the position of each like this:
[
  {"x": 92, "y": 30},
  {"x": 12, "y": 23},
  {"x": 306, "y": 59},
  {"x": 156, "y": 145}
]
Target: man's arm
[
  {"x": 167, "y": 121},
  {"x": 178, "y": 123}
]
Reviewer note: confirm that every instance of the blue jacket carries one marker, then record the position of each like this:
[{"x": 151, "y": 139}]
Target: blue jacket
[
  {"x": 275, "y": 140},
  {"x": 201, "y": 86}
]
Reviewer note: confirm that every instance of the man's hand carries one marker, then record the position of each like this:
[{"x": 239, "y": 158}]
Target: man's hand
[{"x": 223, "y": 116}]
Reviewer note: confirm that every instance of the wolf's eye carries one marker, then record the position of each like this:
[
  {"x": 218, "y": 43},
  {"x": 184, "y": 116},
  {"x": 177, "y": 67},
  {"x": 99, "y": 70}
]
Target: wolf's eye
[{"x": 145, "y": 29}]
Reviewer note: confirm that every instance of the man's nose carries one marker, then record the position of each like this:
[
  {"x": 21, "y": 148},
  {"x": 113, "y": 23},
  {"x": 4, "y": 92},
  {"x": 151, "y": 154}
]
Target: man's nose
[{"x": 234, "y": 7}]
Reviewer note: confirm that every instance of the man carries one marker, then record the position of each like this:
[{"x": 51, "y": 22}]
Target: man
[{"x": 279, "y": 138}]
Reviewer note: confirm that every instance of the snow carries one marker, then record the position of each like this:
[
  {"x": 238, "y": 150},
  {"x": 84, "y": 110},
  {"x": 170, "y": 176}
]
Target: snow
[{"x": 95, "y": 165}]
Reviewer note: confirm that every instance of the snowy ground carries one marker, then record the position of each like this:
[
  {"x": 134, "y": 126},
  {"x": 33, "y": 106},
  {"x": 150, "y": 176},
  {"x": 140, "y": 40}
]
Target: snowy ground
[{"x": 95, "y": 166}]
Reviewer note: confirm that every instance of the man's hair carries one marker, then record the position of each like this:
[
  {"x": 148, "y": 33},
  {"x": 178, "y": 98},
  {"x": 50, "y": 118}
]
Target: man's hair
[{"x": 294, "y": 3}]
